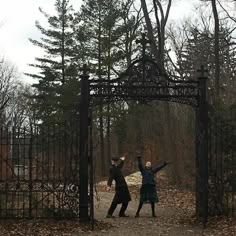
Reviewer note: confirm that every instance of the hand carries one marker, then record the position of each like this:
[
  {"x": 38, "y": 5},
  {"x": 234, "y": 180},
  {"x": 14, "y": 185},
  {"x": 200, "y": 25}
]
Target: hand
[
  {"x": 166, "y": 162},
  {"x": 122, "y": 158},
  {"x": 138, "y": 154},
  {"x": 108, "y": 189}
]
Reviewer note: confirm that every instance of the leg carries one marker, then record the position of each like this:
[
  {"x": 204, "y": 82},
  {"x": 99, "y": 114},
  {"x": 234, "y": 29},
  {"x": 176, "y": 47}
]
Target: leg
[
  {"x": 123, "y": 209},
  {"x": 139, "y": 208},
  {"x": 153, "y": 209},
  {"x": 112, "y": 209}
]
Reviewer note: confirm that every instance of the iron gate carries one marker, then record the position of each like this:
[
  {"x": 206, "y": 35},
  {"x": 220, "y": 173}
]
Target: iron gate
[
  {"x": 39, "y": 172},
  {"x": 222, "y": 166},
  {"x": 144, "y": 81}
]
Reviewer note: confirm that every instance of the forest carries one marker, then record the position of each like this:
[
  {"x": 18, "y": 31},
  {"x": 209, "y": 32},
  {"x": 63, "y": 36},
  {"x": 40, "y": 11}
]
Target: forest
[
  {"x": 48, "y": 173},
  {"x": 103, "y": 34}
]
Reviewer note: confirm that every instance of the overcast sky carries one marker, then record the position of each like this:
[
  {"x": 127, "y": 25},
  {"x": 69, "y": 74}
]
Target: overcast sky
[{"x": 17, "y": 24}]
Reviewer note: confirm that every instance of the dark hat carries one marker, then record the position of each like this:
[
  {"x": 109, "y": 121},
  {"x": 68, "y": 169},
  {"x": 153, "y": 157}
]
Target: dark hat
[{"x": 115, "y": 159}]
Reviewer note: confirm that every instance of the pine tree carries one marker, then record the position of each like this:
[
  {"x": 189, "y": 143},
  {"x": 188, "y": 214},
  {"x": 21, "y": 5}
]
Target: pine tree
[
  {"x": 58, "y": 86},
  {"x": 109, "y": 29},
  {"x": 101, "y": 32}
]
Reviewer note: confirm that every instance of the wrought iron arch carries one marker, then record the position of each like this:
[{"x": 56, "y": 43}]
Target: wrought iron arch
[{"x": 143, "y": 80}]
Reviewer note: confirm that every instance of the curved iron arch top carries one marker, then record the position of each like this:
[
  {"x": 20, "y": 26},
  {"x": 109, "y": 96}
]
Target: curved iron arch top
[
  {"x": 144, "y": 71},
  {"x": 144, "y": 80}
]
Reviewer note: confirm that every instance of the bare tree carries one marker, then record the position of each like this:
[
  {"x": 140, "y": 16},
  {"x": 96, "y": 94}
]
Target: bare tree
[
  {"x": 226, "y": 9},
  {"x": 215, "y": 11},
  {"x": 216, "y": 50},
  {"x": 7, "y": 74},
  {"x": 132, "y": 19},
  {"x": 14, "y": 103},
  {"x": 19, "y": 112},
  {"x": 161, "y": 17},
  {"x": 156, "y": 28}
]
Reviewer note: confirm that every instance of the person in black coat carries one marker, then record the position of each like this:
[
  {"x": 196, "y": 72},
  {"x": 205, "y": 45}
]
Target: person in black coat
[
  {"x": 122, "y": 195},
  {"x": 148, "y": 192}
]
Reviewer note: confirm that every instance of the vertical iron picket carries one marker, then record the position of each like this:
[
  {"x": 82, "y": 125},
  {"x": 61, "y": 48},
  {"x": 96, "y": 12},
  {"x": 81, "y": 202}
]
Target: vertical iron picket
[
  {"x": 91, "y": 166},
  {"x": 30, "y": 184},
  {"x": 222, "y": 167}
]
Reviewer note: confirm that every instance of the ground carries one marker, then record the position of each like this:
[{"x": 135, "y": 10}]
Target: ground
[{"x": 175, "y": 217}]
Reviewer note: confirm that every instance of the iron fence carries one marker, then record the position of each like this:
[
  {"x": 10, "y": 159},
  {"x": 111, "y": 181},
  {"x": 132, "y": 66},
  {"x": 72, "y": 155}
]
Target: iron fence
[
  {"x": 39, "y": 169},
  {"x": 222, "y": 166}
]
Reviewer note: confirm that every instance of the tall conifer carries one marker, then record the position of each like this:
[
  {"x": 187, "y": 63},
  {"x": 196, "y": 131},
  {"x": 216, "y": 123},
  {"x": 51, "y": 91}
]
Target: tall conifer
[{"x": 57, "y": 86}]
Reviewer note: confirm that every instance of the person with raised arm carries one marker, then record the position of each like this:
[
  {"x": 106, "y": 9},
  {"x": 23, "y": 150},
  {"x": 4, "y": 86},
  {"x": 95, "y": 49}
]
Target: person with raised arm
[
  {"x": 148, "y": 192},
  {"x": 122, "y": 194}
]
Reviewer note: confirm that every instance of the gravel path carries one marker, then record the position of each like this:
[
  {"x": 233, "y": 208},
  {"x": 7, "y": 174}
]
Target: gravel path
[
  {"x": 175, "y": 217},
  {"x": 168, "y": 221}
]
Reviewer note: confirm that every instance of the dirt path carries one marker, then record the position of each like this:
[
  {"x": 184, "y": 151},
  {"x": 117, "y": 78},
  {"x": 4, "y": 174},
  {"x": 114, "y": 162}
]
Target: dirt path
[
  {"x": 175, "y": 214},
  {"x": 168, "y": 221},
  {"x": 175, "y": 217}
]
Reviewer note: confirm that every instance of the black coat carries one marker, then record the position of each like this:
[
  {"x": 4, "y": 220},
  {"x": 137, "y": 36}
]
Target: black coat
[
  {"x": 121, "y": 188},
  {"x": 148, "y": 174}
]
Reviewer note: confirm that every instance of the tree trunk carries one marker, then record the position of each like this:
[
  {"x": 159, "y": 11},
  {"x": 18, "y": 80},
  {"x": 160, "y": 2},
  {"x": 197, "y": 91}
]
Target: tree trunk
[
  {"x": 217, "y": 53},
  {"x": 150, "y": 30},
  {"x": 101, "y": 125},
  {"x": 108, "y": 105},
  {"x": 159, "y": 55},
  {"x": 63, "y": 46}
]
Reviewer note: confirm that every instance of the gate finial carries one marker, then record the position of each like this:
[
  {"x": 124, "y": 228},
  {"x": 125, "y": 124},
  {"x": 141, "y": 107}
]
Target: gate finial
[
  {"x": 202, "y": 71},
  {"x": 84, "y": 69},
  {"x": 143, "y": 41}
]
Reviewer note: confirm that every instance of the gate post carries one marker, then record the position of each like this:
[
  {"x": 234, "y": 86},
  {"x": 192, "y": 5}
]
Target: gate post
[
  {"x": 91, "y": 169},
  {"x": 202, "y": 149},
  {"x": 83, "y": 146}
]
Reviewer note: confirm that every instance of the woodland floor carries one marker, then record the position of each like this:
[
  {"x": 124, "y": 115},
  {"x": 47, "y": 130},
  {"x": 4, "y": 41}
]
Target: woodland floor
[{"x": 175, "y": 217}]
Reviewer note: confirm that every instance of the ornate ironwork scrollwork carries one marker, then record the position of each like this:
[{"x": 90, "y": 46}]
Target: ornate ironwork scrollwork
[{"x": 145, "y": 81}]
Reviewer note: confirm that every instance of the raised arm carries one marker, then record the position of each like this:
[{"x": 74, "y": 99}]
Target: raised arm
[
  {"x": 140, "y": 164},
  {"x": 121, "y": 163},
  {"x": 159, "y": 167}
]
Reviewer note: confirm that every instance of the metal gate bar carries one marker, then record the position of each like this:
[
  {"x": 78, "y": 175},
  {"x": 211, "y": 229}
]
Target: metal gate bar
[
  {"x": 39, "y": 171},
  {"x": 222, "y": 166}
]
